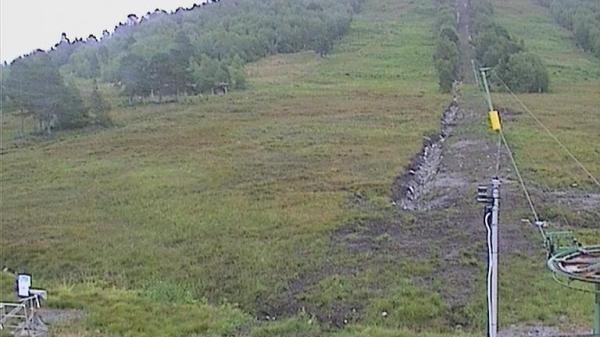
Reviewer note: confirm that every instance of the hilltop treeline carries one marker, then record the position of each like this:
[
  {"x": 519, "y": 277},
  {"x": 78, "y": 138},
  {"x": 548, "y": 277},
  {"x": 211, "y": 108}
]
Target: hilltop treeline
[
  {"x": 582, "y": 17},
  {"x": 522, "y": 71},
  {"x": 446, "y": 55},
  {"x": 172, "y": 54}
]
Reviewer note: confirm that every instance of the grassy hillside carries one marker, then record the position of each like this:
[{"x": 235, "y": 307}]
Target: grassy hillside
[
  {"x": 232, "y": 199},
  {"x": 571, "y": 109},
  {"x": 245, "y": 215}
]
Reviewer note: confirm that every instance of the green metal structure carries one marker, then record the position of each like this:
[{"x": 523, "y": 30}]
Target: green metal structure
[{"x": 577, "y": 265}]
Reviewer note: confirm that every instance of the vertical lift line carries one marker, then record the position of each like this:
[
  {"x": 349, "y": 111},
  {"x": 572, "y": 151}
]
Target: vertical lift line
[
  {"x": 571, "y": 261},
  {"x": 489, "y": 195}
]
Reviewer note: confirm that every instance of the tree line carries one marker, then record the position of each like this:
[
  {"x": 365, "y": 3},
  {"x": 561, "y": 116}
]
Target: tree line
[
  {"x": 522, "y": 71},
  {"x": 190, "y": 51},
  {"x": 582, "y": 17},
  {"x": 446, "y": 57},
  {"x": 34, "y": 87}
]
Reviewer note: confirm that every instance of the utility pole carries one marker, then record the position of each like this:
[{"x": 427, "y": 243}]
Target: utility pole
[
  {"x": 475, "y": 74},
  {"x": 597, "y": 314},
  {"x": 486, "y": 87},
  {"x": 494, "y": 266},
  {"x": 489, "y": 195}
]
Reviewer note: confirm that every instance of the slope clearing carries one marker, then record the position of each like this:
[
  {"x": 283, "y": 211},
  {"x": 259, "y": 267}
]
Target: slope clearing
[
  {"x": 267, "y": 212},
  {"x": 231, "y": 199}
]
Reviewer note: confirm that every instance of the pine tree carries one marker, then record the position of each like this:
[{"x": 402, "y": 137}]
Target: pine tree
[
  {"x": 99, "y": 107},
  {"x": 36, "y": 85}
]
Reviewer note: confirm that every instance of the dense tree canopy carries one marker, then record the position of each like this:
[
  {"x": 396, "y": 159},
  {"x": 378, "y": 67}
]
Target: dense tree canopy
[
  {"x": 189, "y": 51},
  {"x": 35, "y": 85}
]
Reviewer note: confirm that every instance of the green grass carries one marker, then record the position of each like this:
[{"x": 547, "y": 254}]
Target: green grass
[
  {"x": 570, "y": 111},
  {"x": 225, "y": 200},
  {"x": 528, "y": 294},
  {"x": 195, "y": 214},
  {"x": 567, "y": 64}
]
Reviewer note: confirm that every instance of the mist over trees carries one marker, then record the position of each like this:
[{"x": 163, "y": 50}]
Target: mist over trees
[
  {"x": 189, "y": 51},
  {"x": 582, "y": 17},
  {"x": 495, "y": 47}
]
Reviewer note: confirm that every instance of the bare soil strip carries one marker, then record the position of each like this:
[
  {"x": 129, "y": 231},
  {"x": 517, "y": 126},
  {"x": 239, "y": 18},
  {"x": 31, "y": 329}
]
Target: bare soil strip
[{"x": 417, "y": 179}]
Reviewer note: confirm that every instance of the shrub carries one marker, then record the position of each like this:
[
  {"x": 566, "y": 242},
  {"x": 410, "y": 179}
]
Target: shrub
[
  {"x": 446, "y": 56},
  {"x": 495, "y": 47},
  {"x": 525, "y": 72}
]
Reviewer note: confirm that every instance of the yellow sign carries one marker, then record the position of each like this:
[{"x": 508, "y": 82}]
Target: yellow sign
[{"x": 494, "y": 120}]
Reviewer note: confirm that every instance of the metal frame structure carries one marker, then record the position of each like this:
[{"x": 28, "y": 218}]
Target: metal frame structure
[
  {"x": 21, "y": 318},
  {"x": 579, "y": 264}
]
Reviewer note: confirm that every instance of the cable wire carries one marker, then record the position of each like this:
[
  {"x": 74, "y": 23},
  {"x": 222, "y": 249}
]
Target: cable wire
[
  {"x": 498, "y": 148},
  {"x": 564, "y": 147},
  {"x": 521, "y": 181},
  {"x": 488, "y": 227},
  {"x": 502, "y": 139}
]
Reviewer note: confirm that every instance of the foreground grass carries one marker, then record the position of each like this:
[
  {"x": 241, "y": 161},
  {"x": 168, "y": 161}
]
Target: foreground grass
[
  {"x": 201, "y": 213},
  {"x": 229, "y": 200}
]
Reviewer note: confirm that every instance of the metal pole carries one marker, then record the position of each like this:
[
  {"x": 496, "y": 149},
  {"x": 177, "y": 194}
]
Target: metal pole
[
  {"x": 475, "y": 74},
  {"x": 487, "y": 88},
  {"x": 494, "y": 266},
  {"x": 597, "y": 311}
]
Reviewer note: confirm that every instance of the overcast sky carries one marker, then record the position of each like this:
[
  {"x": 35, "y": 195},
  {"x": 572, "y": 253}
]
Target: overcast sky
[{"x": 26, "y": 25}]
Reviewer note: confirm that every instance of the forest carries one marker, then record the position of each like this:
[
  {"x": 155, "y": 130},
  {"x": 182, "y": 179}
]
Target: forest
[
  {"x": 582, "y": 17},
  {"x": 189, "y": 51}
]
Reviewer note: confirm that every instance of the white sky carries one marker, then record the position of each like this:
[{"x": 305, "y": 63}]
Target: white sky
[{"x": 26, "y": 25}]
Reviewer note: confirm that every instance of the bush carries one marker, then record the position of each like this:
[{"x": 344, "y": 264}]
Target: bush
[
  {"x": 446, "y": 57},
  {"x": 525, "y": 72},
  {"x": 446, "y": 62},
  {"x": 495, "y": 47}
]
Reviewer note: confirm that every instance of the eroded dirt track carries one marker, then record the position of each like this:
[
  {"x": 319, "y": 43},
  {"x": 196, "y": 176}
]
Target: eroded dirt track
[
  {"x": 416, "y": 181},
  {"x": 451, "y": 218},
  {"x": 442, "y": 229}
]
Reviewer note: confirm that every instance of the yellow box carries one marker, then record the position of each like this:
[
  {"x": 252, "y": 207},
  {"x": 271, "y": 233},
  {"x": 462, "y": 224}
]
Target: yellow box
[{"x": 495, "y": 120}]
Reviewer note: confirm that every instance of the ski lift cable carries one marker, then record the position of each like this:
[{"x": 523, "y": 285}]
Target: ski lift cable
[
  {"x": 498, "y": 152},
  {"x": 554, "y": 137},
  {"x": 503, "y": 141},
  {"x": 518, "y": 173},
  {"x": 555, "y": 249}
]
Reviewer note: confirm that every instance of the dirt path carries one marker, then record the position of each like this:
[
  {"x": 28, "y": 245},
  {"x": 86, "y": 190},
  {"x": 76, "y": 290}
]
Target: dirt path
[
  {"x": 450, "y": 216},
  {"x": 410, "y": 187}
]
